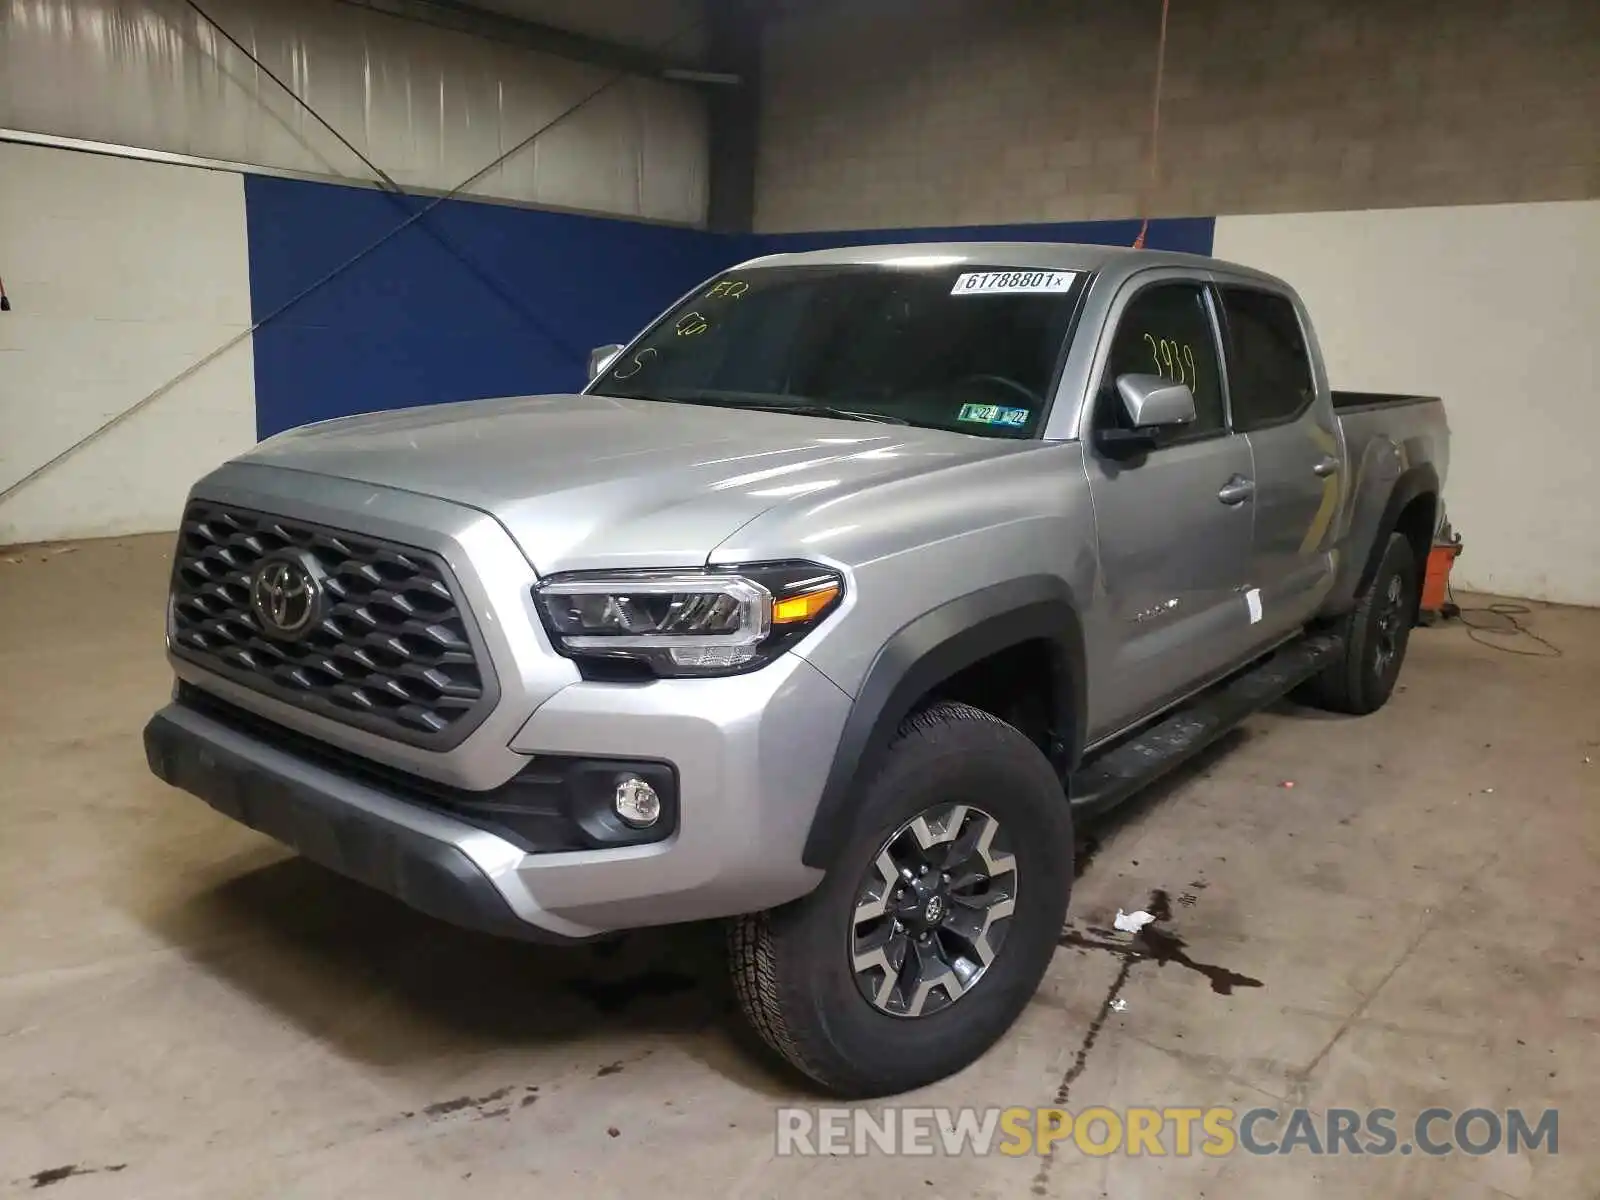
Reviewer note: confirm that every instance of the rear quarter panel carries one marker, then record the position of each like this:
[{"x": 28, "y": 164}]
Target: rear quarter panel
[{"x": 1384, "y": 443}]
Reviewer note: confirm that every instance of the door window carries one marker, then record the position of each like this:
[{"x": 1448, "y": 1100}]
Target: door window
[
  {"x": 1166, "y": 330},
  {"x": 1269, "y": 371}
]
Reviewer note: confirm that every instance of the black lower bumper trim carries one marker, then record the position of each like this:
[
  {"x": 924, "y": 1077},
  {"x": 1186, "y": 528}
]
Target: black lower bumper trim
[
  {"x": 554, "y": 803},
  {"x": 425, "y": 873}
]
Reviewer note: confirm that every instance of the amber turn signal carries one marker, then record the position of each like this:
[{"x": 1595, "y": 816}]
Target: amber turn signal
[{"x": 803, "y": 608}]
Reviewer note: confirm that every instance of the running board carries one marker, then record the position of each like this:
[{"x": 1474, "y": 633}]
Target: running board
[{"x": 1110, "y": 777}]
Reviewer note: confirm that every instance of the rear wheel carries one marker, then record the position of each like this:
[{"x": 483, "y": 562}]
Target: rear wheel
[
  {"x": 1376, "y": 634},
  {"x": 933, "y": 930}
]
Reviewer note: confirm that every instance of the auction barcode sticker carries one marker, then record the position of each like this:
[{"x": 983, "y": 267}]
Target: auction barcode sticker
[{"x": 973, "y": 283}]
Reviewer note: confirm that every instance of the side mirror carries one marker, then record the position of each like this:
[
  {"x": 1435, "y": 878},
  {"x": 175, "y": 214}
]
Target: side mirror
[
  {"x": 1152, "y": 402},
  {"x": 602, "y": 357}
]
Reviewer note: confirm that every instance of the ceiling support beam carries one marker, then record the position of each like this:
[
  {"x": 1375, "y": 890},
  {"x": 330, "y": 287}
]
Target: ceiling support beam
[
  {"x": 548, "y": 39},
  {"x": 734, "y": 36}
]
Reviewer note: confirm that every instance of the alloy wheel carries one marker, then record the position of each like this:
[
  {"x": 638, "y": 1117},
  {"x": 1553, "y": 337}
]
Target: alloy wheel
[
  {"x": 933, "y": 910},
  {"x": 1390, "y": 625}
]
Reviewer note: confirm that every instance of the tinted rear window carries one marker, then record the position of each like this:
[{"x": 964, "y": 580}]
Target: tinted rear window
[{"x": 1269, "y": 371}]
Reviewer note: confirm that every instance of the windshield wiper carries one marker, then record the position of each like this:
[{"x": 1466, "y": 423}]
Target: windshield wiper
[
  {"x": 828, "y": 410},
  {"x": 769, "y": 402}
]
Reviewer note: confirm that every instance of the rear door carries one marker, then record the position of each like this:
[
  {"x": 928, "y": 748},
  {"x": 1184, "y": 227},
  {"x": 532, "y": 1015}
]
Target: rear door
[
  {"x": 1174, "y": 523},
  {"x": 1296, "y": 450}
]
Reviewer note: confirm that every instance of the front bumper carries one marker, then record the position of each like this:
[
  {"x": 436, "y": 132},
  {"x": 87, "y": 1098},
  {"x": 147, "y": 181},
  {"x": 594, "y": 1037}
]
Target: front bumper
[
  {"x": 749, "y": 754},
  {"x": 746, "y": 751},
  {"x": 435, "y": 865}
]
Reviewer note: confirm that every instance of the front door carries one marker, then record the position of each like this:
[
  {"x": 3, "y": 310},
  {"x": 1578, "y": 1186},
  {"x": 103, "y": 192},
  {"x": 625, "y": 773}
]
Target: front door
[
  {"x": 1298, "y": 457},
  {"x": 1174, "y": 524}
]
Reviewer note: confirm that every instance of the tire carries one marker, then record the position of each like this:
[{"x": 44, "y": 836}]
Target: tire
[
  {"x": 1376, "y": 633},
  {"x": 797, "y": 970}
]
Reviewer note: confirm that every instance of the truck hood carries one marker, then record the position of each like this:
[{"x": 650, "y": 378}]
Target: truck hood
[{"x": 596, "y": 482}]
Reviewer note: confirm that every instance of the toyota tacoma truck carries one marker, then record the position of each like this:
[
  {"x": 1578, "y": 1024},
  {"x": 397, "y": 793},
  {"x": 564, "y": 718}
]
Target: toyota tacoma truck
[{"x": 825, "y": 608}]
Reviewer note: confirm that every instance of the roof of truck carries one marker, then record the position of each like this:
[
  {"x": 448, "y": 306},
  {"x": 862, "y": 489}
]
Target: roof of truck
[{"x": 1056, "y": 256}]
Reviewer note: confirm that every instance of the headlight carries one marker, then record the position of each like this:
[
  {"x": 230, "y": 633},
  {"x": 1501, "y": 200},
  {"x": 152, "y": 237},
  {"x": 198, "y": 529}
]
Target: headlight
[{"x": 715, "y": 622}]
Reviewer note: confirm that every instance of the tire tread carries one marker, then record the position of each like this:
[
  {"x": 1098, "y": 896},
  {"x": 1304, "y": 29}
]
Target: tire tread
[{"x": 755, "y": 984}]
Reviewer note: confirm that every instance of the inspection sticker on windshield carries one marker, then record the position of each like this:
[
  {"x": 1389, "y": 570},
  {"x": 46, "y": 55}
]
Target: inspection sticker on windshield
[
  {"x": 975, "y": 283},
  {"x": 994, "y": 414}
]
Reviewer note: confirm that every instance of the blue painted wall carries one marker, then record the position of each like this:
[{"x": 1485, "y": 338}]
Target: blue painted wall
[
  {"x": 479, "y": 300},
  {"x": 473, "y": 300}
]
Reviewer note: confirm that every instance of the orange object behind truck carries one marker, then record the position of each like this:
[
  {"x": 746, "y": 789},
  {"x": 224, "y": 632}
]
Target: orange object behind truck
[
  {"x": 1435, "y": 600},
  {"x": 1436, "y": 583}
]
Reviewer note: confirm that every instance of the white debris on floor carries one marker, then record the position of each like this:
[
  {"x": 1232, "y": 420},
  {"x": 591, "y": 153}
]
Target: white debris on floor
[{"x": 1132, "y": 922}]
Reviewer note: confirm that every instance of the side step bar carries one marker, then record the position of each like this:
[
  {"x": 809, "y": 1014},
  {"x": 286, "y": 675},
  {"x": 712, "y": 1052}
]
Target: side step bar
[{"x": 1111, "y": 776}]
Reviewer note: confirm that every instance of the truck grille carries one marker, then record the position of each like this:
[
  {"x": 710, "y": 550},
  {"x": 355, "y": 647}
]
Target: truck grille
[{"x": 392, "y": 652}]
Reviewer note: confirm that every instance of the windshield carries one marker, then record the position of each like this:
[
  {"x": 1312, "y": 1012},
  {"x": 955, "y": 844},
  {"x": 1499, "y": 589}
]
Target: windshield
[{"x": 968, "y": 348}]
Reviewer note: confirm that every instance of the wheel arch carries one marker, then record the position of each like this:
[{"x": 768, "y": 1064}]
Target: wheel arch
[
  {"x": 932, "y": 650},
  {"x": 1413, "y": 511}
]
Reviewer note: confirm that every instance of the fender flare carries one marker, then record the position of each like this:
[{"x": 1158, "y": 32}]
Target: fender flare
[
  {"x": 929, "y": 650},
  {"x": 1420, "y": 480}
]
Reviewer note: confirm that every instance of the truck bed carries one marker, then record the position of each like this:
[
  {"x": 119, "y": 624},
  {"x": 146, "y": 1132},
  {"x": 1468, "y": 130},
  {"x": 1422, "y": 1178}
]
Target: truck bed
[
  {"x": 1356, "y": 401},
  {"x": 1384, "y": 435},
  {"x": 1381, "y": 426}
]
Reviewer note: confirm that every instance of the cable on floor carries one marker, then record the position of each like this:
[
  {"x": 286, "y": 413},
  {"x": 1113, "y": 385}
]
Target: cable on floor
[{"x": 1502, "y": 622}]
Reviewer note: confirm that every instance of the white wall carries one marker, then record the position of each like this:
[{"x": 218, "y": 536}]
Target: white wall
[
  {"x": 121, "y": 274},
  {"x": 1496, "y": 308}
]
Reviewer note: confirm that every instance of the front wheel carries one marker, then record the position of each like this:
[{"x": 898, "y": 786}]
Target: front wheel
[
  {"x": 931, "y": 934},
  {"x": 1376, "y": 634}
]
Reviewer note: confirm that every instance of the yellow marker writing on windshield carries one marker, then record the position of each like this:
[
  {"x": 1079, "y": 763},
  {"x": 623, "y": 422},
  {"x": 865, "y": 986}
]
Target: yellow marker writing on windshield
[
  {"x": 629, "y": 370},
  {"x": 691, "y": 324},
  {"x": 731, "y": 288}
]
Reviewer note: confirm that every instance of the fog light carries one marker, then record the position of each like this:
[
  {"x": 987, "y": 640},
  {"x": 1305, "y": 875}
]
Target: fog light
[{"x": 637, "y": 803}]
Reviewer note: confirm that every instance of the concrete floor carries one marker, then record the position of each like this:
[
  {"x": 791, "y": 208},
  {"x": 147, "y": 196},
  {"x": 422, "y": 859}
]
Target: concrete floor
[{"x": 187, "y": 1011}]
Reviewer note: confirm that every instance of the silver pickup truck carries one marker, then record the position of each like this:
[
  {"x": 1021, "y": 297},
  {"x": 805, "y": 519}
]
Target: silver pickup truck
[{"x": 826, "y": 608}]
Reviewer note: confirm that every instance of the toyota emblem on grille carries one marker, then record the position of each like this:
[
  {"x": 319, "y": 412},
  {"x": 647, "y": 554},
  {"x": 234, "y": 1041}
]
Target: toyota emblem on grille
[{"x": 286, "y": 597}]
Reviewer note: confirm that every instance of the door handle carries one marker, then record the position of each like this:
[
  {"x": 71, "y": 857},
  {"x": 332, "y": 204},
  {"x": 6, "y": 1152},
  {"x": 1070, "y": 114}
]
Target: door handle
[
  {"x": 1237, "y": 490},
  {"x": 1326, "y": 465}
]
